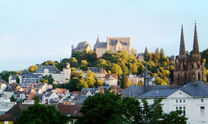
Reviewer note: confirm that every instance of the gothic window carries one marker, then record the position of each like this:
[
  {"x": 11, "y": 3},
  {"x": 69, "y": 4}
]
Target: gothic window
[
  {"x": 199, "y": 76},
  {"x": 185, "y": 76},
  {"x": 178, "y": 77}
]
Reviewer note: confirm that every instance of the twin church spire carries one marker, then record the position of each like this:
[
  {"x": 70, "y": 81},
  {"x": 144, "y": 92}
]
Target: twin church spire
[{"x": 182, "y": 51}]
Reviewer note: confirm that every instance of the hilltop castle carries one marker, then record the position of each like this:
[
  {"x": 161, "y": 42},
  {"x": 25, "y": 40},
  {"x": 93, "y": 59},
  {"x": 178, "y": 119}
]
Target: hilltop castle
[
  {"x": 188, "y": 67},
  {"x": 113, "y": 44}
]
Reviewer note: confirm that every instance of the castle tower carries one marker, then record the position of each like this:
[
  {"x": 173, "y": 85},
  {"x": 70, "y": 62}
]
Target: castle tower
[{"x": 188, "y": 68}]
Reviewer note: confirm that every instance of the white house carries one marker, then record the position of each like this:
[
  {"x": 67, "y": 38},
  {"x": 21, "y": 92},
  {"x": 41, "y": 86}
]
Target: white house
[
  {"x": 49, "y": 96},
  {"x": 111, "y": 79},
  {"x": 191, "y": 98}
]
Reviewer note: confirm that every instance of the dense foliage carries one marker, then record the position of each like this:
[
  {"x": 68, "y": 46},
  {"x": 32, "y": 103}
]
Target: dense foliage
[
  {"x": 121, "y": 63},
  {"x": 42, "y": 114},
  {"x": 109, "y": 108}
]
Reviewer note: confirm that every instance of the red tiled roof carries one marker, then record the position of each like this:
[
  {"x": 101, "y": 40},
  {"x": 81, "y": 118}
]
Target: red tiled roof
[{"x": 107, "y": 76}]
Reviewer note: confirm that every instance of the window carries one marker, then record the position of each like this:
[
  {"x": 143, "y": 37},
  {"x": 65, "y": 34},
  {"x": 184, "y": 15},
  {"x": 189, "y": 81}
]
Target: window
[
  {"x": 202, "y": 110},
  {"x": 180, "y": 100},
  {"x": 184, "y": 110},
  {"x": 180, "y": 108},
  {"x": 176, "y": 100},
  {"x": 202, "y": 100},
  {"x": 184, "y": 101},
  {"x": 176, "y": 108}
]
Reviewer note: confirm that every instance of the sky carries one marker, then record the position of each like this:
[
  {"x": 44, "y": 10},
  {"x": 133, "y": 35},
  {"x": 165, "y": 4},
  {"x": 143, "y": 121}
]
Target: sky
[{"x": 33, "y": 31}]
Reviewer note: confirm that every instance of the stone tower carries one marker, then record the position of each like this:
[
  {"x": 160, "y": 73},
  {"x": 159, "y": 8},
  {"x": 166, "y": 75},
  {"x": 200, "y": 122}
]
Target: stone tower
[{"x": 188, "y": 67}]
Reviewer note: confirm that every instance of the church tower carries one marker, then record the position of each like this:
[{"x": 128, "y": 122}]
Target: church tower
[{"x": 188, "y": 68}]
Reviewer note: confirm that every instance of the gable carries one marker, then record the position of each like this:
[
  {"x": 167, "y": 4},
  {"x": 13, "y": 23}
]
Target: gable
[{"x": 179, "y": 94}]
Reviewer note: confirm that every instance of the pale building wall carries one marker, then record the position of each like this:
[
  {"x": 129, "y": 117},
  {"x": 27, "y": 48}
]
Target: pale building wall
[{"x": 192, "y": 106}]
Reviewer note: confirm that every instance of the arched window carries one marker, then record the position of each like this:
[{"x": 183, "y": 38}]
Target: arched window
[
  {"x": 185, "y": 76},
  {"x": 178, "y": 78},
  {"x": 199, "y": 76}
]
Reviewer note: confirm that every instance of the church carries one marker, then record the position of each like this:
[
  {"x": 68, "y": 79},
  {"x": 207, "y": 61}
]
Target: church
[{"x": 188, "y": 67}]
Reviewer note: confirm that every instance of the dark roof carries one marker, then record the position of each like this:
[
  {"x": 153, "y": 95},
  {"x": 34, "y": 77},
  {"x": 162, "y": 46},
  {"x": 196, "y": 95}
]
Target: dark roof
[
  {"x": 6, "y": 117},
  {"x": 196, "y": 89},
  {"x": 14, "y": 112},
  {"x": 51, "y": 69},
  {"x": 97, "y": 70},
  {"x": 82, "y": 45},
  {"x": 157, "y": 93},
  {"x": 2, "y": 81},
  {"x": 133, "y": 91},
  {"x": 70, "y": 110},
  {"x": 101, "y": 45}
]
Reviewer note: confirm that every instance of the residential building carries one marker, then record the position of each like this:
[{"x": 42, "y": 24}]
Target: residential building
[
  {"x": 59, "y": 77},
  {"x": 191, "y": 98},
  {"x": 111, "y": 79}
]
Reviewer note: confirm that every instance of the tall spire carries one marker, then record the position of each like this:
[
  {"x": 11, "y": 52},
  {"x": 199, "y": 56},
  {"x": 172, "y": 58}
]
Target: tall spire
[
  {"x": 98, "y": 39},
  {"x": 182, "y": 44},
  {"x": 195, "y": 45}
]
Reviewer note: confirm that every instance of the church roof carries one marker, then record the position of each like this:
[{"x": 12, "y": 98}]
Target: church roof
[{"x": 101, "y": 45}]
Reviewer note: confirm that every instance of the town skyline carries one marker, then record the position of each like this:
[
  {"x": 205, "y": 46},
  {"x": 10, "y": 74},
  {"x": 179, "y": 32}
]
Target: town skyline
[{"x": 25, "y": 31}]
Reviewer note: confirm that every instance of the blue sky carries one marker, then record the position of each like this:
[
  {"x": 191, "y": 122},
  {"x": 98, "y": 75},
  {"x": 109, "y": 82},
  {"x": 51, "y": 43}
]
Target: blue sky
[{"x": 32, "y": 31}]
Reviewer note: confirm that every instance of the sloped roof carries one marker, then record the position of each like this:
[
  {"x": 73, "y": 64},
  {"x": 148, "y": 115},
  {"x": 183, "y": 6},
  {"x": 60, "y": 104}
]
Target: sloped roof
[
  {"x": 157, "y": 93},
  {"x": 196, "y": 89},
  {"x": 51, "y": 69},
  {"x": 82, "y": 45},
  {"x": 101, "y": 45},
  {"x": 133, "y": 91},
  {"x": 97, "y": 70},
  {"x": 70, "y": 110},
  {"x": 14, "y": 112}
]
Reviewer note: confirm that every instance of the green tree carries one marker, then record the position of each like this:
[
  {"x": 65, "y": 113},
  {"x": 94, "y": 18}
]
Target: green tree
[
  {"x": 109, "y": 108},
  {"x": 33, "y": 68},
  {"x": 204, "y": 55},
  {"x": 116, "y": 69},
  {"x": 17, "y": 79},
  {"x": 101, "y": 109},
  {"x": 47, "y": 79},
  {"x": 5, "y": 75},
  {"x": 42, "y": 114},
  {"x": 49, "y": 62},
  {"x": 36, "y": 99},
  {"x": 12, "y": 99}
]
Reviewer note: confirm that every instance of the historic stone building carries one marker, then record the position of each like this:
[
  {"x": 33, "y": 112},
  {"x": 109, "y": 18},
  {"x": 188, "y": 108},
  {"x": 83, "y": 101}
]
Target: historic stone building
[
  {"x": 113, "y": 44},
  {"x": 82, "y": 46},
  {"x": 188, "y": 67}
]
